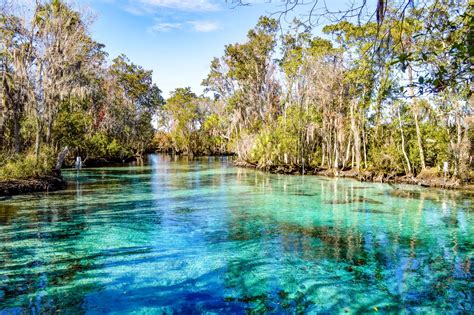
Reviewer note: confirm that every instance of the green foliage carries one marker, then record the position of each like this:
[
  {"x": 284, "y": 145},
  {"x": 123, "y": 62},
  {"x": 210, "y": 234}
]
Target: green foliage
[
  {"x": 211, "y": 131},
  {"x": 388, "y": 159},
  {"x": 72, "y": 127},
  {"x": 436, "y": 144},
  {"x": 285, "y": 141},
  {"x": 27, "y": 166},
  {"x": 137, "y": 83},
  {"x": 102, "y": 146},
  {"x": 192, "y": 126},
  {"x": 162, "y": 141},
  {"x": 182, "y": 106}
]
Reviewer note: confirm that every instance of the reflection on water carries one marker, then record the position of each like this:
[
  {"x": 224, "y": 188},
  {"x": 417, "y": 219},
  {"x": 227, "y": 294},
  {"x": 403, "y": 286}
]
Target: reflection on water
[
  {"x": 200, "y": 235},
  {"x": 7, "y": 212}
]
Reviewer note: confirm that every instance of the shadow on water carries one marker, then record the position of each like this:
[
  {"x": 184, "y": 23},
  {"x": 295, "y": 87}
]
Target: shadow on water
[
  {"x": 358, "y": 199},
  {"x": 374, "y": 211},
  {"x": 7, "y": 212}
]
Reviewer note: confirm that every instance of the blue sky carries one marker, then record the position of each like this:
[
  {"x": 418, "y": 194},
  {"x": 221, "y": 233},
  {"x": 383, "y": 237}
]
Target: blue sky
[{"x": 177, "y": 39}]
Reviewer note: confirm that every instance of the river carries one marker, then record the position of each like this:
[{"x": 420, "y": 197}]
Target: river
[{"x": 203, "y": 236}]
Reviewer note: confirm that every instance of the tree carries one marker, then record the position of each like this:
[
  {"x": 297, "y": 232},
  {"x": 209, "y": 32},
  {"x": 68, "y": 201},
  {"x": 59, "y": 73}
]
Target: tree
[
  {"x": 183, "y": 109},
  {"x": 57, "y": 90},
  {"x": 140, "y": 100}
]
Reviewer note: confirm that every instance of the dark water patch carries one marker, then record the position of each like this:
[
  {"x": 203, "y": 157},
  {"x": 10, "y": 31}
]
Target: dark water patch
[
  {"x": 302, "y": 193},
  {"x": 450, "y": 221},
  {"x": 353, "y": 200},
  {"x": 369, "y": 201},
  {"x": 57, "y": 235},
  {"x": 73, "y": 259},
  {"x": 184, "y": 210},
  {"x": 323, "y": 179},
  {"x": 422, "y": 194},
  {"x": 245, "y": 231},
  {"x": 72, "y": 192},
  {"x": 110, "y": 185},
  {"x": 247, "y": 193},
  {"x": 339, "y": 202},
  {"x": 103, "y": 171},
  {"x": 372, "y": 211},
  {"x": 398, "y": 193},
  {"x": 7, "y": 213}
]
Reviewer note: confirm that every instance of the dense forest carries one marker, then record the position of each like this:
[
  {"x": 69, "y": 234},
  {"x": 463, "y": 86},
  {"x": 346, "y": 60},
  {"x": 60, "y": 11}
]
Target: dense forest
[
  {"x": 391, "y": 95},
  {"x": 58, "y": 90}
]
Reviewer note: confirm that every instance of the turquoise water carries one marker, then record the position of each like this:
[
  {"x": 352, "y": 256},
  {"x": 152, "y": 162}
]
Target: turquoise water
[{"x": 202, "y": 236}]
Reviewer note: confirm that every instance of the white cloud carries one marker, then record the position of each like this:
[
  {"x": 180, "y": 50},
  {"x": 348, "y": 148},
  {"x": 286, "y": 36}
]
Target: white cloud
[
  {"x": 204, "y": 26},
  {"x": 182, "y": 5},
  {"x": 197, "y": 26},
  {"x": 136, "y": 10},
  {"x": 164, "y": 27}
]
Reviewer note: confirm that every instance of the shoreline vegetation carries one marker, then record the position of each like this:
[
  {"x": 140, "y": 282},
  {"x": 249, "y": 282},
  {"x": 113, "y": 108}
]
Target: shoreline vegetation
[
  {"x": 431, "y": 181},
  {"x": 54, "y": 181},
  {"x": 389, "y": 100},
  {"x": 384, "y": 102}
]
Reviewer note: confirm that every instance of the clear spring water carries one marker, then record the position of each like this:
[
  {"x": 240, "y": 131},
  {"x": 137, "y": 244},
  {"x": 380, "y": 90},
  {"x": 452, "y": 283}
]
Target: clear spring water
[{"x": 202, "y": 236}]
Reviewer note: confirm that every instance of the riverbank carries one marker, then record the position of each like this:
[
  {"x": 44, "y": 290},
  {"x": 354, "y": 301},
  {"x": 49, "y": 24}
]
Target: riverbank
[
  {"x": 53, "y": 181},
  {"x": 364, "y": 176},
  {"x": 102, "y": 162},
  {"x": 25, "y": 186}
]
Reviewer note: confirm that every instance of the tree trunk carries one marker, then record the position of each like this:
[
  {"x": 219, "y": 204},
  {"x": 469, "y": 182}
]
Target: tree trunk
[
  {"x": 459, "y": 149},
  {"x": 6, "y": 100},
  {"x": 420, "y": 144},
  {"x": 403, "y": 141},
  {"x": 60, "y": 160},
  {"x": 348, "y": 152},
  {"x": 323, "y": 153},
  {"x": 364, "y": 142},
  {"x": 3, "y": 119},
  {"x": 356, "y": 134},
  {"x": 336, "y": 152},
  {"x": 16, "y": 128},
  {"x": 38, "y": 139},
  {"x": 49, "y": 126},
  {"x": 415, "y": 117}
]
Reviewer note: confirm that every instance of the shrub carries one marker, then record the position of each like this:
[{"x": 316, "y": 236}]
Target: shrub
[
  {"x": 162, "y": 141},
  {"x": 430, "y": 173},
  {"x": 101, "y": 145},
  {"x": 27, "y": 166}
]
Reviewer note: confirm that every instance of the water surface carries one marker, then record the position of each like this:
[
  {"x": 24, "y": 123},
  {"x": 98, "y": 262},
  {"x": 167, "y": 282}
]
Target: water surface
[{"x": 202, "y": 236}]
